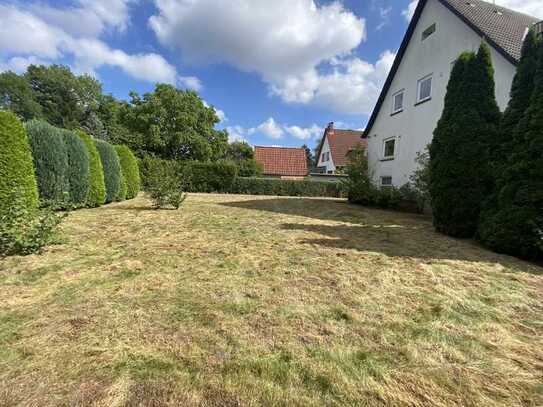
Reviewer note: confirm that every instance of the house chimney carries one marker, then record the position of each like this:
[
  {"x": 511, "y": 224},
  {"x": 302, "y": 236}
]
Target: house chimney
[{"x": 330, "y": 128}]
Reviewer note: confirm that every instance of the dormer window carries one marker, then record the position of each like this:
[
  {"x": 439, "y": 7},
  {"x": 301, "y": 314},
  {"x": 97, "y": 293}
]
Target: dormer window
[{"x": 429, "y": 31}]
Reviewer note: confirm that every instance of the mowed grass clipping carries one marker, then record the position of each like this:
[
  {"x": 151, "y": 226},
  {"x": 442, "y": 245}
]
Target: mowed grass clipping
[{"x": 246, "y": 301}]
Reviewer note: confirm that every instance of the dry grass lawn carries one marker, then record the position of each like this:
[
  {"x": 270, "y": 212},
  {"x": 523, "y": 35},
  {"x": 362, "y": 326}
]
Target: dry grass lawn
[{"x": 246, "y": 301}]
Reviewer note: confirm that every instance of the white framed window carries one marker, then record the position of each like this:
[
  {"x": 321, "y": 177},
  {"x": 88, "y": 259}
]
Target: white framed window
[
  {"x": 389, "y": 148},
  {"x": 325, "y": 157},
  {"x": 424, "y": 89},
  {"x": 429, "y": 31},
  {"x": 397, "y": 101},
  {"x": 386, "y": 181}
]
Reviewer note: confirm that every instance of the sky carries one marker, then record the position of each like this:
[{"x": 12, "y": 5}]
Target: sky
[{"x": 277, "y": 72}]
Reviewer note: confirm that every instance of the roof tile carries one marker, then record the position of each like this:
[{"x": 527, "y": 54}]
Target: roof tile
[{"x": 282, "y": 161}]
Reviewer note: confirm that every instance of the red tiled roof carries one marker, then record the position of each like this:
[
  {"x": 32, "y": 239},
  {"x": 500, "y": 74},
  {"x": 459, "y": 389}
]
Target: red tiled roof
[
  {"x": 341, "y": 143},
  {"x": 282, "y": 161}
]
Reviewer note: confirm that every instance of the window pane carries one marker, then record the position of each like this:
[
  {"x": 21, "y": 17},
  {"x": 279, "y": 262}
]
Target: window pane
[
  {"x": 398, "y": 102},
  {"x": 425, "y": 90},
  {"x": 386, "y": 181},
  {"x": 389, "y": 148},
  {"x": 429, "y": 31}
]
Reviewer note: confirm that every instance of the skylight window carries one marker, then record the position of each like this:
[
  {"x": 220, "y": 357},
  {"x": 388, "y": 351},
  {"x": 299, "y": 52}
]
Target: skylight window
[{"x": 429, "y": 31}]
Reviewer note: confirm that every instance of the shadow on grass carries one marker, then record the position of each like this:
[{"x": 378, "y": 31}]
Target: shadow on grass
[{"x": 394, "y": 234}]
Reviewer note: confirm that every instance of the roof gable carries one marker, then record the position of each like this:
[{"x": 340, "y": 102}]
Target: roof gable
[
  {"x": 282, "y": 161},
  {"x": 502, "y": 28},
  {"x": 342, "y": 142}
]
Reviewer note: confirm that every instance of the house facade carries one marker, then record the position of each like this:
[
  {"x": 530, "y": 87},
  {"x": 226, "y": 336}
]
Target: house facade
[
  {"x": 282, "y": 162},
  {"x": 412, "y": 100},
  {"x": 334, "y": 148}
]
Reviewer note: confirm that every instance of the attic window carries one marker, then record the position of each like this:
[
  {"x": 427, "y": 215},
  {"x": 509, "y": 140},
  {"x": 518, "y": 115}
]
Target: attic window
[{"x": 429, "y": 31}]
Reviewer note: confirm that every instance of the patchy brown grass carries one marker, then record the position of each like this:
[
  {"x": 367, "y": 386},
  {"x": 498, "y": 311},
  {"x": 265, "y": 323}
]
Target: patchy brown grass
[{"x": 245, "y": 301}]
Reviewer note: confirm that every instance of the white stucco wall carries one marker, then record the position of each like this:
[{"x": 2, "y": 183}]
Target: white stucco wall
[
  {"x": 330, "y": 163},
  {"x": 414, "y": 127}
]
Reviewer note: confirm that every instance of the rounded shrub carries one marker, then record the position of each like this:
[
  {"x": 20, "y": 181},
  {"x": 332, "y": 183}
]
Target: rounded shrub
[
  {"x": 97, "y": 189},
  {"x": 130, "y": 171},
  {"x": 78, "y": 168},
  {"x": 18, "y": 188},
  {"x": 121, "y": 196},
  {"x": 112, "y": 169},
  {"x": 50, "y": 161}
]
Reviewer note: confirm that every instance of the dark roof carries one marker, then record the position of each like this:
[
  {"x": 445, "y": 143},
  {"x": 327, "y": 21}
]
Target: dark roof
[
  {"x": 502, "y": 28},
  {"x": 341, "y": 143},
  {"x": 283, "y": 161}
]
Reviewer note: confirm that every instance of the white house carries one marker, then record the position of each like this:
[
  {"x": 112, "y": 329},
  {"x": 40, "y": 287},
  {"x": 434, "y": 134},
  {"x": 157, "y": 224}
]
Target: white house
[
  {"x": 412, "y": 99},
  {"x": 335, "y": 146}
]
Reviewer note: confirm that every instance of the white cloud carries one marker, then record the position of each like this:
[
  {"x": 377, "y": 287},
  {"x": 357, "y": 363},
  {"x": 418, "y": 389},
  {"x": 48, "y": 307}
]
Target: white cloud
[
  {"x": 269, "y": 128},
  {"x": 286, "y": 42},
  {"x": 190, "y": 82},
  {"x": 409, "y": 12},
  {"x": 275, "y": 131},
  {"x": 221, "y": 115},
  {"x": 384, "y": 12},
  {"x": 19, "y": 64},
  {"x": 353, "y": 87},
  {"x": 531, "y": 7},
  {"x": 48, "y": 38}
]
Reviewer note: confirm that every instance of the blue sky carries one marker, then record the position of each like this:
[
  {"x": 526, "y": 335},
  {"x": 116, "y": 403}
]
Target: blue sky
[{"x": 278, "y": 71}]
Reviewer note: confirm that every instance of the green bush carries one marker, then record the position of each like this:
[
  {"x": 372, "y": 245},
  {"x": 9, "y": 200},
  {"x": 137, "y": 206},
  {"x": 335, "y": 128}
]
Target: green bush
[
  {"x": 280, "y": 187},
  {"x": 163, "y": 183},
  {"x": 18, "y": 186},
  {"x": 50, "y": 161},
  {"x": 249, "y": 168},
  {"x": 97, "y": 187},
  {"x": 209, "y": 176},
  {"x": 130, "y": 170},
  {"x": 78, "y": 168},
  {"x": 460, "y": 170},
  {"x": 112, "y": 169},
  {"x": 121, "y": 196},
  {"x": 25, "y": 231}
]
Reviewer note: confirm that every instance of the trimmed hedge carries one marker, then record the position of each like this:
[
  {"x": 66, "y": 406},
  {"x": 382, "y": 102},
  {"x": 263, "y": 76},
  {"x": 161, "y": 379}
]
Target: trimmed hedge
[
  {"x": 112, "y": 169},
  {"x": 121, "y": 196},
  {"x": 97, "y": 187},
  {"x": 50, "y": 161},
  {"x": 18, "y": 187},
  {"x": 78, "y": 168},
  {"x": 130, "y": 170},
  {"x": 208, "y": 176},
  {"x": 281, "y": 187}
]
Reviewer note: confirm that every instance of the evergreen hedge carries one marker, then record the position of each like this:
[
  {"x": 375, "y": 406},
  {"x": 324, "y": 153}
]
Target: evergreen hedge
[
  {"x": 208, "y": 177},
  {"x": 78, "y": 168},
  {"x": 460, "y": 172},
  {"x": 513, "y": 223},
  {"x": 50, "y": 161},
  {"x": 121, "y": 196},
  {"x": 281, "y": 187},
  {"x": 130, "y": 170},
  {"x": 97, "y": 188},
  {"x": 112, "y": 169},
  {"x": 18, "y": 187}
]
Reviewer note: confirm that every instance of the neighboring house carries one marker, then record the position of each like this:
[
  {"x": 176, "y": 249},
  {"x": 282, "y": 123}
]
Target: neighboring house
[
  {"x": 412, "y": 100},
  {"x": 334, "y": 148},
  {"x": 283, "y": 162}
]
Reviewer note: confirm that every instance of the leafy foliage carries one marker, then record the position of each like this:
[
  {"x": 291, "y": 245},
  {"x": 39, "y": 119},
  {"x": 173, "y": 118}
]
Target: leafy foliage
[
  {"x": 240, "y": 151},
  {"x": 512, "y": 223},
  {"x": 461, "y": 143},
  {"x": 78, "y": 168},
  {"x": 97, "y": 188},
  {"x": 280, "y": 187},
  {"x": 18, "y": 188},
  {"x": 112, "y": 169},
  {"x": 310, "y": 158},
  {"x": 174, "y": 124},
  {"x": 130, "y": 171},
  {"x": 25, "y": 231},
  {"x": 417, "y": 190},
  {"x": 249, "y": 168},
  {"x": 208, "y": 177},
  {"x": 17, "y": 95},
  {"x": 163, "y": 184},
  {"x": 358, "y": 183},
  {"x": 50, "y": 161}
]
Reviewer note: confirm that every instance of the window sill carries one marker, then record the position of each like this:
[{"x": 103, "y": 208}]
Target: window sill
[
  {"x": 423, "y": 101},
  {"x": 395, "y": 113},
  {"x": 388, "y": 159}
]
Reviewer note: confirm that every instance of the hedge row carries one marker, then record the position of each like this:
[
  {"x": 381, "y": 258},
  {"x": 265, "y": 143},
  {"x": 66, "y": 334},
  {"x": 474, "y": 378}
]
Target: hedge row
[
  {"x": 97, "y": 187},
  {"x": 280, "y": 187},
  {"x": 130, "y": 170}
]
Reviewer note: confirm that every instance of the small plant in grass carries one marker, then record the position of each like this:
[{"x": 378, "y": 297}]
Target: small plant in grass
[{"x": 163, "y": 184}]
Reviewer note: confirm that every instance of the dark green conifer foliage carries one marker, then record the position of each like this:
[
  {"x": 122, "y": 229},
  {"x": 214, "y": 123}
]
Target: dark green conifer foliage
[
  {"x": 514, "y": 225},
  {"x": 50, "y": 161},
  {"x": 97, "y": 188},
  {"x": 459, "y": 154},
  {"x": 121, "y": 196},
  {"x": 112, "y": 169},
  {"x": 131, "y": 171},
  {"x": 18, "y": 188},
  {"x": 78, "y": 168}
]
